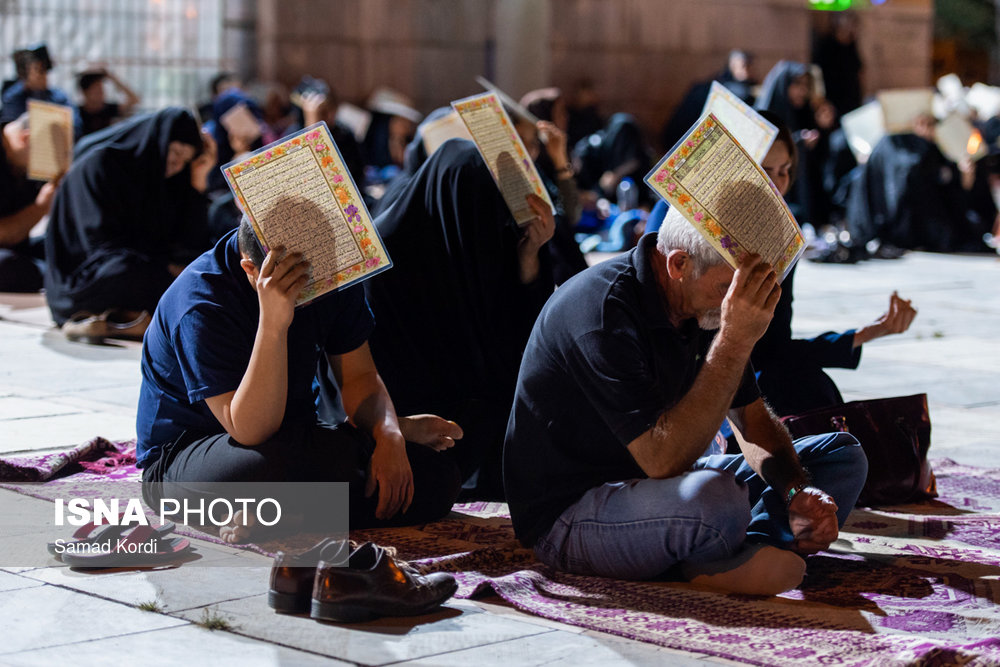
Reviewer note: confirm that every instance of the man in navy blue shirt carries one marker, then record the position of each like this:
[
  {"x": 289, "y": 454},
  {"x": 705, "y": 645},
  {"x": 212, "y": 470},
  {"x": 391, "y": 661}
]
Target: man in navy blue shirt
[
  {"x": 227, "y": 371},
  {"x": 622, "y": 387}
]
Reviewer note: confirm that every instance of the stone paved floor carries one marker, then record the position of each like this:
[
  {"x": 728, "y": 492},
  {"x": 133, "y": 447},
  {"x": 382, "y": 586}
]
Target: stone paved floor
[{"x": 53, "y": 393}]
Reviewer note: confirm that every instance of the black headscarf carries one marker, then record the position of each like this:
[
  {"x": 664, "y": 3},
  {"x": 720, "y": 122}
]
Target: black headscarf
[
  {"x": 619, "y": 143},
  {"x": 413, "y": 158},
  {"x": 117, "y": 220},
  {"x": 774, "y": 95},
  {"x": 452, "y": 316},
  {"x": 225, "y": 155}
]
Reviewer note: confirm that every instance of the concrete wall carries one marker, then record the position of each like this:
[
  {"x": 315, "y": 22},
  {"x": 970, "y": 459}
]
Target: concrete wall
[{"x": 641, "y": 54}]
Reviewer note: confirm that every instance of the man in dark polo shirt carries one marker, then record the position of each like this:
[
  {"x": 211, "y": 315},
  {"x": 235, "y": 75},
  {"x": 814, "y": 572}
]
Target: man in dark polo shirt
[
  {"x": 623, "y": 385},
  {"x": 228, "y": 364}
]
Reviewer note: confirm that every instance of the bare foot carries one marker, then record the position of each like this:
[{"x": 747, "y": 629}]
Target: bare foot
[
  {"x": 767, "y": 571},
  {"x": 236, "y": 531}
]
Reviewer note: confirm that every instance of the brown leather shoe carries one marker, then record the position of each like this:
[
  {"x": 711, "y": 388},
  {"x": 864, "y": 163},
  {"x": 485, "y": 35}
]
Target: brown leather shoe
[
  {"x": 374, "y": 584},
  {"x": 292, "y": 576}
]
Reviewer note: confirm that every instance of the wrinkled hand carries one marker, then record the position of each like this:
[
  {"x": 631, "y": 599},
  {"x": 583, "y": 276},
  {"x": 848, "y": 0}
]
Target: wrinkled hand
[
  {"x": 812, "y": 516},
  {"x": 896, "y": 320},
  {"x": 534, "y": 235},
  {"x": 749, "y": 304},
  {"x": 555, "y": 143},
  {"x": 278, "y": 284},
  {"x": 430, "y": 430},
  {"x": 389, "y": 472},
  {"x": 204, "y": 163}
]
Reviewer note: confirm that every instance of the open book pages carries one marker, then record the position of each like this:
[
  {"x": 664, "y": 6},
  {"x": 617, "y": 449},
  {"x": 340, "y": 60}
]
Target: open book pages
[
  {"x": 984, "y": 99},
  {"x": 511, "y": 103},
  {"x": 958, "y": 139},
  {"x": 901, "y": 106},
  {"x": 239, "y": 121},
  {"x": 863, "y": 128},
  {"x": 725, "y": 194},
  {"x": 298, "y": 193},
  {"x": 950, "y": 86},
  {"x": 504, "y": 153},
  {"x": 50, "y": 147},
  {"x": 355, "y": 119},
  {"x": 436, "y": 132},
  {"x": 753, "y": 132}
]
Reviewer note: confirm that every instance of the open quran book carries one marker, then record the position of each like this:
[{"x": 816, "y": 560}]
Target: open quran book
[
  {"x": 298, "y": 194},
  {"x": 501, "y": 147},
  {"x": 50, "y": 147},
  {"x": 724, "y": 193}
]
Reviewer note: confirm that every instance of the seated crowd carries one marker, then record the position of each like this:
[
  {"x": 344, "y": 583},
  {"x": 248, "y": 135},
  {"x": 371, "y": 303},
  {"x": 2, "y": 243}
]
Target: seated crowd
[{"x": 490, "y": 362}]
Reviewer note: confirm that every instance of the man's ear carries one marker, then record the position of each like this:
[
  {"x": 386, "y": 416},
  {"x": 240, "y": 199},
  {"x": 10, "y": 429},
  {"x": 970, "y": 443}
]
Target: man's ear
[
  {"x": 250, "y": 269},
  {"x": 678, "y": 264}
]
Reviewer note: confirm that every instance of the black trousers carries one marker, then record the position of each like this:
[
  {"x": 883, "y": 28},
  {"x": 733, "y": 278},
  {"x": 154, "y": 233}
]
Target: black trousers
[
  {"x": 20, "y": 267},
  {"x": 308, "y": 453}
]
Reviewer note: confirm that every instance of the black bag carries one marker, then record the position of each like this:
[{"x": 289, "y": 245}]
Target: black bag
[{"x": 895, "y": 434}]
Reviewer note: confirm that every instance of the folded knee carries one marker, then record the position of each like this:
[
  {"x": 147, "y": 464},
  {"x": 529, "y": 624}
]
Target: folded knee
[{"x": 720, "y": 501}]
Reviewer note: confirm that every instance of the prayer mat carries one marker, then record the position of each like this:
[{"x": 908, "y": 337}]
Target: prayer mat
[{"x": 907, "y": 584}]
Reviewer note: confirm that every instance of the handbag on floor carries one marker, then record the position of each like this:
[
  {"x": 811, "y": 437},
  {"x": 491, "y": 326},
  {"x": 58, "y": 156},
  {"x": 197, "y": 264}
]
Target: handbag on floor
[{"x": 895, "y": 434}]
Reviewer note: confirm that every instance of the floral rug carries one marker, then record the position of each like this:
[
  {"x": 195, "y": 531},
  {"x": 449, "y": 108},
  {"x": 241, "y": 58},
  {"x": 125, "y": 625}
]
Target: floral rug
[{"x": 910, "y": 584}]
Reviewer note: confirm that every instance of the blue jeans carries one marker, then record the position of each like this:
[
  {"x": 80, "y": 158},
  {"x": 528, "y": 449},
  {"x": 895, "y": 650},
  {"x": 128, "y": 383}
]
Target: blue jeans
[{"x": 640, "y": 528}]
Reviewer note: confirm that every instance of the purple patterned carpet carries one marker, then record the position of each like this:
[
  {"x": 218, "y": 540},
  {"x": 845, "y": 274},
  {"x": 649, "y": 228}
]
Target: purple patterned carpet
[{"x": 914, "y": 584}]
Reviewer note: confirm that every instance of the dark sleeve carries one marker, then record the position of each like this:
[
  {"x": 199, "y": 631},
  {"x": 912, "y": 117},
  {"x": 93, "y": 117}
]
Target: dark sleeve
[
  {"x": 615, "y": 374},
  {"x": 353, "y": 319},
  {"x": 748, "y": 391},
  {"x": 212, "y": 361},
  {"x": 777, "y": 347}
]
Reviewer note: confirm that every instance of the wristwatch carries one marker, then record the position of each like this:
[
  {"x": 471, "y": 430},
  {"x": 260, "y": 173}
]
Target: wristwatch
[{"x": 793, "y": 491}]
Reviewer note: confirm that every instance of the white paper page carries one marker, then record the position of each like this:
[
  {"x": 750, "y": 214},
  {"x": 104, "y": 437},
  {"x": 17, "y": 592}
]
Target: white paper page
[
  {"x": 901, "y": 106},
  {"x": 984, "y": 99},
  {"x": 728, "y": 198},
  {"x": 438, "y": 131},
  {"x": 355, "y": 118},
  {"x": 749, "y": 128},
  {"x": 955, "y": 137},
  {"x": 864, "y": 127}
]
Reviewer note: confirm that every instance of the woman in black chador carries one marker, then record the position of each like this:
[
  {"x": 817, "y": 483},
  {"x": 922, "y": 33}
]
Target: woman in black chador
[
  {"x": 790, "y": 371},
  {"x": 909, "y": 195},
  {"x": 128, "y": 216},
  {"x": 454, "y": 312}
]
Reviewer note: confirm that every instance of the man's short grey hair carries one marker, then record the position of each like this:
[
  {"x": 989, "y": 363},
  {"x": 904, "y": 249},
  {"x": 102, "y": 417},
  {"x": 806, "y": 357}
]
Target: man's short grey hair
[{"x": 676, "y": 233}]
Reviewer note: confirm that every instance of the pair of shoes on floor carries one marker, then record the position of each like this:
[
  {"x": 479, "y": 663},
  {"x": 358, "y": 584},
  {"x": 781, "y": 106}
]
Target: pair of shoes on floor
[
  {"x": 94, "y": 329},
  {"x": 113, "y": 545},
  {"x": 334, "y": 583}
]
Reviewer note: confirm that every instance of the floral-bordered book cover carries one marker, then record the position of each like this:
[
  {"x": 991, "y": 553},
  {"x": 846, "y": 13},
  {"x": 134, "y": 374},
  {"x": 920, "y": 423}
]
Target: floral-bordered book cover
[
  {"x": 725, "y": 194},
  {"x": 297, "y": 192},
  {"x": 504, "y": 153}
]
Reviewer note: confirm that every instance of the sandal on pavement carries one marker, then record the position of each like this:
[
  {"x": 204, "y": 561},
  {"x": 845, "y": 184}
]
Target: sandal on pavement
[
  {"x": 141, "y": 546},
  {"x": 94, "y": 329}
]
